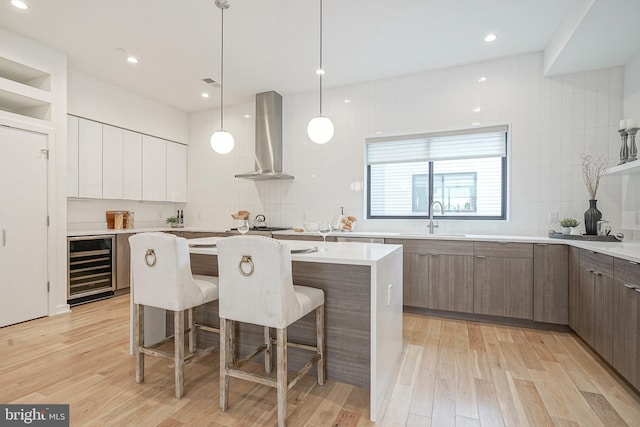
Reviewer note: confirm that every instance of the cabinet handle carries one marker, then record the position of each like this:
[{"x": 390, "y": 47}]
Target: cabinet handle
[
  {"x": 637, "y": 290},
  {"x": 633, "y": 262},
  {"x": 422, "y": 254},
  {"x": 541, "y": 244},
  {"x": 597, "y": 273},
  {"x": 589, "y": 270},
  {"x": 632, "y": 287},
  {"x": 435, "y": 254},
  {"x": 4, "y": 237},
  {"x": 480, "y": 256}
]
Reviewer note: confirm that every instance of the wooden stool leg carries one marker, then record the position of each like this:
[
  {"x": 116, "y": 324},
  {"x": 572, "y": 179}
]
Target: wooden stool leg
[
  {"x": 178, "y": 328},
  {"x": 268, "y": 353},
  {"x": 320, "y": 343},
  {"x": 282, "y": 385},
  {"x": 224, "y": 353},
  {"x": 192, "y": 332},
  {"x": 139, "y": 331}
]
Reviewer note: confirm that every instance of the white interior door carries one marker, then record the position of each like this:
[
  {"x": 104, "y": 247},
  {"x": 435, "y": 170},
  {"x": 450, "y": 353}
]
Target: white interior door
[{"x": 23, "y": 225}]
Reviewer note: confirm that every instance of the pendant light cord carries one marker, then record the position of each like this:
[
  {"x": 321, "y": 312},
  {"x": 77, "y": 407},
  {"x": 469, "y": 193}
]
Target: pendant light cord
[
  {"x": 321, "y": 69},
  {"x": 222, "y": 69}
]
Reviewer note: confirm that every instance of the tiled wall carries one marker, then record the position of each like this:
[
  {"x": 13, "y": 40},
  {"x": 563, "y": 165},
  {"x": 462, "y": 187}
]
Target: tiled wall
[{"x": 553, "y": 121}]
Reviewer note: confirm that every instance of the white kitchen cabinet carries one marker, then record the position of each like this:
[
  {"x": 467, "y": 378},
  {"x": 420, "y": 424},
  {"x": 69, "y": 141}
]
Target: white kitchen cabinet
[
  {"x": 23, "y": 226},
  {"x": 132, "y": 165},
  {"x": 112, "y": 162},
  {"x": 89, "y": 159},
  {"x": 176, "y": 172},
  {"x": 154, "y": 168},
  {"x": 72, "y": 156}
]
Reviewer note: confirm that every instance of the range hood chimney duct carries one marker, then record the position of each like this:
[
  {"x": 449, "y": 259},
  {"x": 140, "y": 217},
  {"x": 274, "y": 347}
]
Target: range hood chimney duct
[{"x": 268, "y": 139}]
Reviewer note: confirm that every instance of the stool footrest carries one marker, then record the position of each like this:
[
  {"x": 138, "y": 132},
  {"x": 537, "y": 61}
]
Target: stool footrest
[
  {"x": 240, "y": 363},
  {"x": 302, "y": 371},
  {"x": 256, "y": 378},
  {"x": 206, "y": 328}
]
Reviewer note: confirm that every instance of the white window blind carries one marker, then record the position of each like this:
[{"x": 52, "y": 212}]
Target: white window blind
[{"x": 464, "y": 144}]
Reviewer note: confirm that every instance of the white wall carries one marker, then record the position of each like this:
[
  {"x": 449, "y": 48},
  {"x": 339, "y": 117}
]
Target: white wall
[
  {"x": 101, "y": 101},
  {"x": 553, "y": 121},
  {"x": 631, "y": 184},
  {"x": 27, "y": 52}
]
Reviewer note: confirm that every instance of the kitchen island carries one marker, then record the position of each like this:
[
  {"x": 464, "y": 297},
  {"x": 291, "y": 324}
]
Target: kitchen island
[{"x": 362, "y": 283}]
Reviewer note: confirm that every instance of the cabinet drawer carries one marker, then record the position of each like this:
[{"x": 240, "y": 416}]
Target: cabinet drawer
[
  {"x": 626, "y": 271},
  {"x": 597, "y": 262},
  {"x": 503, "y": 249},
  {"x": 433, "y": 246}
]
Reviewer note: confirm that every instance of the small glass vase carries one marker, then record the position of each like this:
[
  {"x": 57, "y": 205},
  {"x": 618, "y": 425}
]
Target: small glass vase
[{"x": 591, "y": 218}]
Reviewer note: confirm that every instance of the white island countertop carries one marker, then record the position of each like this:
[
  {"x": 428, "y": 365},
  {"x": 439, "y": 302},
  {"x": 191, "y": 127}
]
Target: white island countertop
[{"x": 336, "y": 252}]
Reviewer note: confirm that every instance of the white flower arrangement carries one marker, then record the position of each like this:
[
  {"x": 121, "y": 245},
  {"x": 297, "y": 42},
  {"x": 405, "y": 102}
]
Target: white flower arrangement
[{"x": 593, "y": 168}]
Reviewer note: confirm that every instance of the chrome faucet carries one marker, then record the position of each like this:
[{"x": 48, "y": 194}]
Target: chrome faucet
[{"x": 431, "y": 226}]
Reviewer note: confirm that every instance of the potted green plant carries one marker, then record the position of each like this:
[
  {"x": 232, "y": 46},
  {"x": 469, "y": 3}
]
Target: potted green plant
[
  {"x": 567, "y": 224},
  {"x": 172, "y": 221}
]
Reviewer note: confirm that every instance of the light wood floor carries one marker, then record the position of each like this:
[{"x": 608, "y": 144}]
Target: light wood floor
[{"x": 453, "y": 373}]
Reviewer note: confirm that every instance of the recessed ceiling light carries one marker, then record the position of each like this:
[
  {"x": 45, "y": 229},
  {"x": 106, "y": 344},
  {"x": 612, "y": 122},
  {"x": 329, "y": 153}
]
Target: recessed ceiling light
[
  {"x": 490, "y": 38},
  {"x": 482, "y": 79},
  {"x": 247, "y": 116},
  {"x": 476, "y": 110},
  {"x": 20, "y": 4},
  {"x": 320, "y": 71},
  {"x": 132, "y": 59},
  {"x": 347, "y": 101},
  {"x": 204, "y": 95}
]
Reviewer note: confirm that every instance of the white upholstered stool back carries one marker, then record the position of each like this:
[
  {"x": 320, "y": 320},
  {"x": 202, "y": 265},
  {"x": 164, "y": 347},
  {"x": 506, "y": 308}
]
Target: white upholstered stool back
[
  {"x": 161, "y": 278},
  {"x": 161, "y": 269},
  {"x": 265, "y": 296},
  {"x": 256, "y": 286}
]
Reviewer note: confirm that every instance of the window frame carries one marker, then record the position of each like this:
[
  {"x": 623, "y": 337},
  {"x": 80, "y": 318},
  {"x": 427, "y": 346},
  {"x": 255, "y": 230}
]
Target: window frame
[{"x": 503, "y": 193}]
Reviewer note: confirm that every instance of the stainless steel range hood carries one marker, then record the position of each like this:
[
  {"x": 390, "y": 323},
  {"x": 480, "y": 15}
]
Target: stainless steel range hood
[{"x": 268, "y": 139}]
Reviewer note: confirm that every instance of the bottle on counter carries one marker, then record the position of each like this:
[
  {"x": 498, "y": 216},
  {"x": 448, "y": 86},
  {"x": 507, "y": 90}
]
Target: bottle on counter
[{"x": 130, "y": 220}]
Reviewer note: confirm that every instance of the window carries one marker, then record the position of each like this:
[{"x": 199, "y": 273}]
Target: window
[{"x": 464, "y": 170}]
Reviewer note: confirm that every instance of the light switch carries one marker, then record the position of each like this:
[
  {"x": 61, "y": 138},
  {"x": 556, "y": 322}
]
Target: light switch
[{"x": 553, "y": 216}]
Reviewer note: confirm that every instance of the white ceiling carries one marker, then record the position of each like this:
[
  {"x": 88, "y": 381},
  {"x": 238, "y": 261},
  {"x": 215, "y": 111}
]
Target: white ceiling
[{"x": 273, "y": 45}]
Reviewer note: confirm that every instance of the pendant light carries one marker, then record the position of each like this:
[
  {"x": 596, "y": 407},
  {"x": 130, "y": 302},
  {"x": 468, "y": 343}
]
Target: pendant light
[
  {"x": 222, "y": 141},
  {"x": 320, "y": 128}
]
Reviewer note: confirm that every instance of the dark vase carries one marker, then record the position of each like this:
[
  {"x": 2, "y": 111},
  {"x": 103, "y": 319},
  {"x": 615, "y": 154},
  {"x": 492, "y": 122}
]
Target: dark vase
[{"x": 591, "y": 218}]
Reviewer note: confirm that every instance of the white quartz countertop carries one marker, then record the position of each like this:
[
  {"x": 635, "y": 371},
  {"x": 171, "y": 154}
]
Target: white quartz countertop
[
  {"x": 629, "y": 250},
  {"x": 335, "y": 253}
]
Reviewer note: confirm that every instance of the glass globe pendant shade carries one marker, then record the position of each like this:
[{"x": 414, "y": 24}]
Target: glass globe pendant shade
[
  {"x": 320, "y": 129},
  {"x": 222, "y": 142}
]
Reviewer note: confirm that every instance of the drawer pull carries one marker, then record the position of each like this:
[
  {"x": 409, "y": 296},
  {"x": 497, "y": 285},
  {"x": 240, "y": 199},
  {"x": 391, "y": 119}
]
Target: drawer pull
[
  {"x": 597, "y": 273},
  {"x": 633, "y": 262},
  {"x": 637, "y": 290},
  {"x": 541, "y": 244},
  {"x": 435, "y": 255},
  {"x": 633, "y": 287},
  {"x": 480, "y": 256}
]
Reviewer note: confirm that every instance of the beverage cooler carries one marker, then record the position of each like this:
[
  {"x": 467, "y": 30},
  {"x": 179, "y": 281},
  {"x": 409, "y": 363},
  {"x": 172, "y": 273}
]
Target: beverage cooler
[{"x": 90, "y": 273}]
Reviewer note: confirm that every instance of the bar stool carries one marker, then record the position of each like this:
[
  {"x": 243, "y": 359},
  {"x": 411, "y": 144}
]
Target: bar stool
[
  {"x": 161, "y": 275},
  {"x": 256, "y": 286}
]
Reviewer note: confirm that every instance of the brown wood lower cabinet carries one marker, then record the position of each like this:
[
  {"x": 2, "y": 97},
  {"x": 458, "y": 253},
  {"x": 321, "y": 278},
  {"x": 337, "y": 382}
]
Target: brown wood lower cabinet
[
  {"x": 503, "y": 279},
  {"x": 626, "y": 322},
  {"x": 550, "y": 283},
  {"x": 123, "y": 280},
  {"x": 451, "y": 282},
  {"x": 437, "y": 274},
  {"x": 595, "y": 310}
]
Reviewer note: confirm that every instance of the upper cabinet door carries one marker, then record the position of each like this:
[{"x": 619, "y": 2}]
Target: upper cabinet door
[
  {"x": 72, "y": 156},
  {"x": 176, "y": 172},
  {"x": 154, "y": 168},
  {"x": 112, "y": 162},
  {"x": 132, "y": 165},
  {"x": 89, "y": 159}
]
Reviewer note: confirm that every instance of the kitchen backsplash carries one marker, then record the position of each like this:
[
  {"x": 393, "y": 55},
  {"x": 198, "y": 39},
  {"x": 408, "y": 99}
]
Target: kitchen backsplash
[
  {"x": 89, "y": 214},
  {"x": 553, "y": 120}
]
